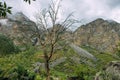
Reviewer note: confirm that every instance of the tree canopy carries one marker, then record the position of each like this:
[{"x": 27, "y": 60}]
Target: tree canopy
[{"x": 5, "y": 9}]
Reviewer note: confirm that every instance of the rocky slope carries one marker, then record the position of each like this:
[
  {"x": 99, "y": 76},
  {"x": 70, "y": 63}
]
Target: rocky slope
[
  {"x": 110, "y": 72},
  {"x": 18, "y": 27},
  {"x": 100, "y": 34}
]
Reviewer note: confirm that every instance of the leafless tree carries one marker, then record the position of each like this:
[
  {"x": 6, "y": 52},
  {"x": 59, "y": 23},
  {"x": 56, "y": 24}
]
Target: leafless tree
[{"x": 50, "y": 31}]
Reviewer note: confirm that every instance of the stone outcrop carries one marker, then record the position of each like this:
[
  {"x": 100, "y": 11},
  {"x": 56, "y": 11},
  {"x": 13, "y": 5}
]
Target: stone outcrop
[
  {"x": 110, "y": 72},
  {"x": 100, "y": 34},
  {"x": 18, "y": 27}
]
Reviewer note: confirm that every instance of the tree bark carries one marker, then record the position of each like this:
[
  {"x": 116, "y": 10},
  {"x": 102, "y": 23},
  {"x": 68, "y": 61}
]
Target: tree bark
[{"x": 47, "y": 68}]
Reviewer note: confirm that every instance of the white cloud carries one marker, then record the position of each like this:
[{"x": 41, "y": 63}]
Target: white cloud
[{"x": 85, "y": 10}]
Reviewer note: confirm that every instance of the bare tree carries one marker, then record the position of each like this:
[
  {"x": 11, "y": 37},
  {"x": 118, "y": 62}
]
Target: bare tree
[{"x": 50, "y": 31}]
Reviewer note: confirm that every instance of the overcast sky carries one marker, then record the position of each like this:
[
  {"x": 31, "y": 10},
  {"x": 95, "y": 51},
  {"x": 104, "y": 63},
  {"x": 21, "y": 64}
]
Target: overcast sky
[{"x": 84, "y": 10}]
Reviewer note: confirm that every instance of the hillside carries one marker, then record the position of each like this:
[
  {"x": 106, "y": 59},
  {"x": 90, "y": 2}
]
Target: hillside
[
  {"x": 18, "y": 27},
  {"x": 100, "y": 34},
  {"x": 79, "y": 59},
  {"x": 104, "y": 35}
]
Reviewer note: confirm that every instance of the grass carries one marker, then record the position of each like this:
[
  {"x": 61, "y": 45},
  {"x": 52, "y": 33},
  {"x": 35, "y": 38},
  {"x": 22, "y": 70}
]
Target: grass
[
  {"x": 102, "y": 58},
  {"x": 61, "y": 71}
]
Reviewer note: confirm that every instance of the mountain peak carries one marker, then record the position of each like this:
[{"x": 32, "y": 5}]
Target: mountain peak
[
  {"x": 100, "y": 34},
  {"x": 19, "y": 16},
  {"x": 99, "y": 19}
]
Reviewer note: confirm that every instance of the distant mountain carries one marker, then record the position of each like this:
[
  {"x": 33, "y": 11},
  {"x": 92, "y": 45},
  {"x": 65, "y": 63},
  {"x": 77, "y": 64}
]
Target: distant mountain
[
  {"x": 18, "y": 27},
  {"x": 104, "y": 35}
]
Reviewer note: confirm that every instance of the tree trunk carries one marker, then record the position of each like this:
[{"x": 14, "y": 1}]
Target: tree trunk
[{"x": 47, "y": 68}]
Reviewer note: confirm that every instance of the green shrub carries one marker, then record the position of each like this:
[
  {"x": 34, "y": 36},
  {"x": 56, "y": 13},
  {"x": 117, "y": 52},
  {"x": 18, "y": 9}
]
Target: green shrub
[
  {"x": 7, "y": 46},
  {"x": 118, "y": 53},
  {"x": 17, "y": 73},
  {"x": 84, "y": 72}
]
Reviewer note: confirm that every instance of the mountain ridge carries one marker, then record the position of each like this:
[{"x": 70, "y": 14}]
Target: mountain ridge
[
  {"x": 18, "y": 27},
  {"x": 100, "y": 34},
  {"x": 103, "y": 35}
]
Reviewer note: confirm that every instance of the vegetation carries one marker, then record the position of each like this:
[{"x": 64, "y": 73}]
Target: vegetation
[
  {"x": 85, "y": 72},
  {"x": 7, "y": 45},
  {"x": 4, "y": 9},
  {"x": 50, "y": 35},
  {"x": 102, "y": 58},
  {"x": 29, "y": 1},
  {"x": 24, "y": 64},
  {"x": 49, "y": 60},
  {"x": 118, "y": 50}
]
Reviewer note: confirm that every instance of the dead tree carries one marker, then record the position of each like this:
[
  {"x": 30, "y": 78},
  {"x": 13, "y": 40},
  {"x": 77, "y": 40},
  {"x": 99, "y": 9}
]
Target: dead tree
[{"x": 50, "y": 32}]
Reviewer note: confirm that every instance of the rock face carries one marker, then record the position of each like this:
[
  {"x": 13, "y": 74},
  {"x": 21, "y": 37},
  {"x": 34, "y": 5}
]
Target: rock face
[
  {"x": 18, "y": 27},
  {"x": 110, "y": 72},
  {"x": 100, "y": 34}
]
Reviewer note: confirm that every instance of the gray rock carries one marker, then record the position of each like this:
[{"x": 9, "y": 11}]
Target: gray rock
[
  {"x": 18, "y": 27},
  {"x": 100, "y": 34},
  {"x": 110, "y": 72},
  {"x": 82, "y": 52}
]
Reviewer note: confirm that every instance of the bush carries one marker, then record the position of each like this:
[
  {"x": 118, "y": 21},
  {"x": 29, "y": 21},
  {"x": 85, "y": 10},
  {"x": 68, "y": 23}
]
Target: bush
[
  {"x": 17, "y": 73},
  {"x": 7, "y": 45},
  {"x": 84, "y": 72}
]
